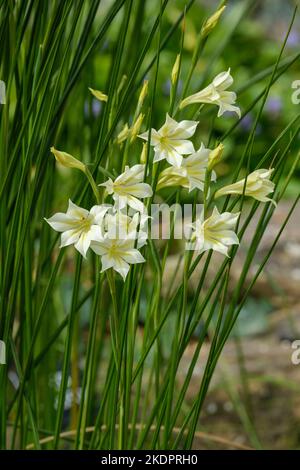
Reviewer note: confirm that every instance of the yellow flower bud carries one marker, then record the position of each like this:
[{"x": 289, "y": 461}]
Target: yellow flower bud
[
  {"x": 99, "y": 95},
  {"x": 143, "y": 157},
  {"x": 215, "y": 156},
  {"x": 175, "y": 70},
  {"x": 123, "y": 135},
  {"x": 212, "y": 22},
  {"x": 143, "y": 93},
  {"x": 135, "y": 129},
  {"x": 67, "y": 160}
]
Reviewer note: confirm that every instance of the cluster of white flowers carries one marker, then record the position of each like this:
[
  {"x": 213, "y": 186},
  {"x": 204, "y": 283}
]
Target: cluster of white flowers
[
  {"x": 117, "y": 236},
  {"x": 109, "y": 232}
]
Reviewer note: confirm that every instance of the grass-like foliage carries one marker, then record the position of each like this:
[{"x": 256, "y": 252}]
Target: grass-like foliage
[{"x": 95, "y": 327}]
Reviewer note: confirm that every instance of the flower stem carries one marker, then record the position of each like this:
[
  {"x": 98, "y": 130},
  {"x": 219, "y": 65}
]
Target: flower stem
[
  {"x": 115, "y": 319},
  {"x": 93, "y": 184}
]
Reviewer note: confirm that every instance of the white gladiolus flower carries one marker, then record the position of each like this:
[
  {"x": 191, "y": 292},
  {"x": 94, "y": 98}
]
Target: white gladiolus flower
[
  {"x": 170, "y": 142},
  {"x": 117, "y": 254},
  {"x": 129, "y": 187},
  {"x": 190, "y": 175},
  {"x": 216, "y": 232},
  {"x": 216, "y": 93},
  {"x": 258, "y": 186},
  {"x": 78, "y": 226}
]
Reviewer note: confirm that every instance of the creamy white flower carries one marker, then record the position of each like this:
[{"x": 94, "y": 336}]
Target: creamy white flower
[
  {"x": 216, "y": 232},
  {"x": 129, "y": 187},
  {"x": 170, "y": 142},
  {"x": 216, "y": 93},
  {"x": 99, "y": 95},
  {"x": 258, "y": 186},
  {"x": 136, "y": 126},
  {"x": 190, "y": 175},
  {"x": 78, "y": 226},
  {"x": 117, "y": 254},
  {"x": 120, "y": 226},
  {"x": 143, "y": 94}
]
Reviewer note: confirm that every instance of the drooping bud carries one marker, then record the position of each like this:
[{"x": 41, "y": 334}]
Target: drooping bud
[
  {"x": 99, "y": 95},
  {"x": 216, "y": 93},
  {"x": 258, "y": 185},
  {"x": 143, "y": 93},
  {"x": 212, "y": 22},
  {"x": 66, "y": 160},
  {"x": 175, "y": 70}
]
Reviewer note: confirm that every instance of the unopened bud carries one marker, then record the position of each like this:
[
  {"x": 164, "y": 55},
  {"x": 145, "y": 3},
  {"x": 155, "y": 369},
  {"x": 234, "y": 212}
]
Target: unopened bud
[
  {"x": 99, "y": 95},
  {"x": 135, "y": 129},
  {"x": 123, "y": 135},
  {"x": 143, "y": 93},
  {"x": 212, "y": 22}
]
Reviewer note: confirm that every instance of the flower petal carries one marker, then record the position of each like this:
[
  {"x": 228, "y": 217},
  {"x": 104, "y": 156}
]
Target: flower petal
[
  {"x": 83, "y": 244},
  {"x": 61, "y": 222},
  {"x": 121, "y": 267},
  {"x": 183, "y": 147},
  {"x": 69, "y": 237},
  {"x": 133, "y": 256},
  {"x": 99, "y": 212},
  {"x": 76, "y": 211},
  {"x": 107, "y": 262}
]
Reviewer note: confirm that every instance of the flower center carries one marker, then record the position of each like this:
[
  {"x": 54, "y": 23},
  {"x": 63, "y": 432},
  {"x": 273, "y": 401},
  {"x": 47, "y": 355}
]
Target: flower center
[
  {"x": 85, "y": 223},
  {"x": 114, "y": 250}
]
